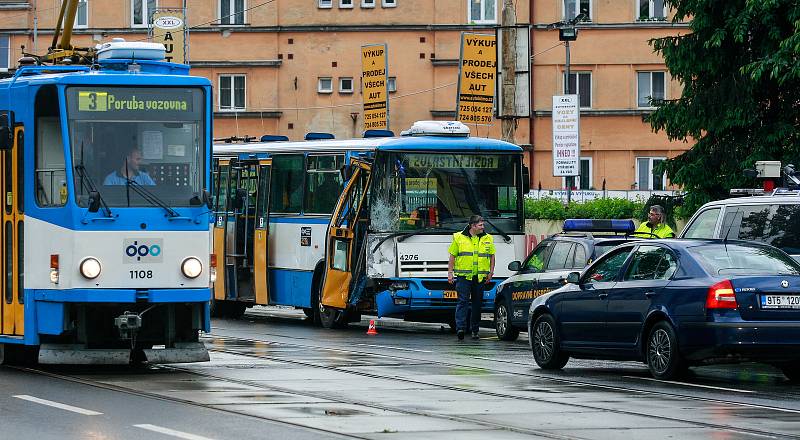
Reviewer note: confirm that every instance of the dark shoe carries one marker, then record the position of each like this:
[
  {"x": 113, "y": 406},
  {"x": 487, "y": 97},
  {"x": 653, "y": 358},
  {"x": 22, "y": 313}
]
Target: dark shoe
[
  {"x": 460, "y": 335},
  {"x": 475, "y": 335}
]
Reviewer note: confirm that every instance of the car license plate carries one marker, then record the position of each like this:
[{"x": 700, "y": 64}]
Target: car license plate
[
  {"x": 780, "y": 301},
  {"x": 487, "y": 316},
  {"x": 450, "y": 294}
]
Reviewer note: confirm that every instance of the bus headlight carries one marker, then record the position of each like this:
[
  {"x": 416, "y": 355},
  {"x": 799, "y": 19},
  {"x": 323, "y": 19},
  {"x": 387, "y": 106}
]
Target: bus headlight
[
  {"x": 191, "y": 267},
  {"x": 90, "y": 268}
]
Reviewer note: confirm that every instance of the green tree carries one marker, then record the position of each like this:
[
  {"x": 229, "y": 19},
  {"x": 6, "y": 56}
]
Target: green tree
[{"x": 739, "y": 66}]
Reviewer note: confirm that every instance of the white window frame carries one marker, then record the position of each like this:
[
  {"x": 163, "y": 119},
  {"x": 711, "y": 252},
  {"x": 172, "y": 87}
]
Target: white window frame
[
  {"x": 78, "y": 12},
  {"x": 341, "y": 87},
  {"x": 391, "y": 84},
  {"x": 577, "y": 8},
  {"x": 233, "y": 107},
  {"x": 232, "y": 4},
  {"x": 651, "y": 8},
  {"x": 577, "y": 74},
  {"x": 650, "y": 161},
  {"x": 389, "y": 3},
  {"x": 343, "y": 5},
  {"x": 367, "y": 4},
  {"x": 650, "y": 72},
  {"x": 145, "y": 14},
  {"x": 481, "y": 20},
  {"x": 577, "y": 181},
  {"x": 325, "y": 4},
  {"x": 319, "y": 84}
]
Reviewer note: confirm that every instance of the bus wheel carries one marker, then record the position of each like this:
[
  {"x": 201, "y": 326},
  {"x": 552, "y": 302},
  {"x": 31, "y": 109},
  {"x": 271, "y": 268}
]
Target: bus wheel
[{"x": 332, "y": 318}]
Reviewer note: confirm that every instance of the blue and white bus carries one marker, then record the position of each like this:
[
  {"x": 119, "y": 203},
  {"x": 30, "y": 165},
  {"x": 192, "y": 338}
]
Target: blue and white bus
[
  {"x": 345, "y": 227},
  {"x": 105, "y": 240}
]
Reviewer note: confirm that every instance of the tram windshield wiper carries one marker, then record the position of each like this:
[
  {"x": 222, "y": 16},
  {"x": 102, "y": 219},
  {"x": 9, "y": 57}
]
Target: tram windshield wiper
[
  {"x": 87, "y": 183},
  {"x": 150, "y": 197},
  {"x": 404, "y": 235}
]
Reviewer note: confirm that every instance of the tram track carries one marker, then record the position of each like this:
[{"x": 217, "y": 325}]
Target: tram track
[{"x": 493, "y": 394}]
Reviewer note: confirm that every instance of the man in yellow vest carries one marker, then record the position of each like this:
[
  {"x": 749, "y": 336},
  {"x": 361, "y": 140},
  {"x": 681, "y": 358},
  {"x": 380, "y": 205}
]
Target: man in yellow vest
[
  {"x": 470, "y": 267},
  {"x": 654, "y": 227}
]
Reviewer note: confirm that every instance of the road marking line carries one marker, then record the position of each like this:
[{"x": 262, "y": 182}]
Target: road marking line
[
  {"x": 75, "y": 409},
  {"x": 172, "y": 432},
  {"x": 393, "y": 348},
  {"x": 690, "y": 384}
]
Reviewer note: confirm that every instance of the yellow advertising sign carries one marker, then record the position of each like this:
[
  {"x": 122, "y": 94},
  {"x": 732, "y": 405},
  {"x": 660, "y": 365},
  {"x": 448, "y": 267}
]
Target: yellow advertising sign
[
  {"x": 476, "y": 78},
  {"x": 373, "y": 81},
  {"x": 169, "y": 28}
]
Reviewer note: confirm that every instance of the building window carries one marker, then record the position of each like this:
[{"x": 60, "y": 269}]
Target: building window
[
  {"x": 325, "y": 4},
  {"x": 574, "y": 7},
  {"x": 345, "y": 4},
  {"x": 651, "y": 10},
  {"x": 345, "y": 85},
  {"x": 325, "y": 85},
  {"x": 482, "y": 11},
  {"x": 391, "y": 84},
  {"x": 231, "y": 92},
  {"x": 4, "y": 51},
  {"x": 650, "y": 88},
  {"x": 141, "y": 12},
  {"x": 389, "y": 3},
  {"x": 646, "y": 179},
  {"x": 584, "y": 179},
  {"x": 582, "y": 88},
  {"x": 82, "y": 15},
  {"x": 231, "y": 11},
  {"x": 367, "y": 3}
]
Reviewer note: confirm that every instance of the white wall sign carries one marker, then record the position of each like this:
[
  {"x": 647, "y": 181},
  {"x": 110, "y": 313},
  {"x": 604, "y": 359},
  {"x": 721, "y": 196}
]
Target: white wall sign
[{"x": 566, "y": 136}]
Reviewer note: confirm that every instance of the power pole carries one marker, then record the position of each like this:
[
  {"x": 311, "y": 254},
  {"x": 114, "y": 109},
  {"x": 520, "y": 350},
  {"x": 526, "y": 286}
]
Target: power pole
[{"x": 508, "y": 21}]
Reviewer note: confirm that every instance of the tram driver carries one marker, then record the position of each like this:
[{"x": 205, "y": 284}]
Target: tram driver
[{"x": 130, "y": 169}]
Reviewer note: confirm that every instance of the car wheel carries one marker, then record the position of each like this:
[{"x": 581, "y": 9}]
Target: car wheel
[
  {"x": 546, "y": 345},
  {"x": 502, "y": 323},
  {"x": 663, "y": 356}
]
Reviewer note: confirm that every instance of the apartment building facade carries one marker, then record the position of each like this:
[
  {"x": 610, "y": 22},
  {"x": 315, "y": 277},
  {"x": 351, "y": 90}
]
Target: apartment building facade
[{"x": 289, "y": 67}]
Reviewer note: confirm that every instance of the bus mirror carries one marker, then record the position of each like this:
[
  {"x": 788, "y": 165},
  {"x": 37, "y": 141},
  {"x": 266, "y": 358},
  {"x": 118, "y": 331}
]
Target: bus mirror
[
  {"x": 526, "y": 180},
  {"x": 94, "y": 201}
]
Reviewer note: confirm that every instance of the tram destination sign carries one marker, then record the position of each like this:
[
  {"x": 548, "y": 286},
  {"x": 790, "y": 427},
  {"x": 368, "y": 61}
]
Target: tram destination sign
[
  {"x": 476, "y": 78},
  {"x": 97, "y": 102},
  {"x": 373, "y": 79},
  {"x": 566, "y": 135}
]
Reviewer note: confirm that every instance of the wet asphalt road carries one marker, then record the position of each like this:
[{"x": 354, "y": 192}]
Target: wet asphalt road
[{"x": 274, "y": 376}]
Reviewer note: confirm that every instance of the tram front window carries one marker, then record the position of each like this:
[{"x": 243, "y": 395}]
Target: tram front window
[
  {"x": 148, "y": 138},
  {"x": 413, "y": 191}
]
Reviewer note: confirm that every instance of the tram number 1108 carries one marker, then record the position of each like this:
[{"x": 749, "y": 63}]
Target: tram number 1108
[{"x": 140, "y": 274}]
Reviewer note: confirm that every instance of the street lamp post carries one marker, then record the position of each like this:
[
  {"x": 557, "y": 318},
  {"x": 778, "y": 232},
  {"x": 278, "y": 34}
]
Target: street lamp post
[{"x": 566, "y": 33}]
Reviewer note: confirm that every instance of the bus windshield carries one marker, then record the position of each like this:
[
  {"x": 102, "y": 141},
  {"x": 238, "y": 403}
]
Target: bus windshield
[
  {"x": 149, "y": 138},
  {"x": 420, "y": 190}
]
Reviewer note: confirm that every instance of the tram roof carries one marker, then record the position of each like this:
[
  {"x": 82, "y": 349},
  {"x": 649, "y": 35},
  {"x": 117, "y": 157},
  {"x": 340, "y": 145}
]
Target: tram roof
[
  {"x": 152, "y": 74},
  {"x": 404, "y": 143}
]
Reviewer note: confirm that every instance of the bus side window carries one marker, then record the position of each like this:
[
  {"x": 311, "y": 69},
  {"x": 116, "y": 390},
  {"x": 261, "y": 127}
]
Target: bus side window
[
  {"x": 323, "y": 183},
  {"x": 288, "y": 173}
]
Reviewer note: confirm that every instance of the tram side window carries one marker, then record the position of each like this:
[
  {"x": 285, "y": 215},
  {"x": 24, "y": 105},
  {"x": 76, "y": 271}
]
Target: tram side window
[
  {"x": 221, "y": 186},
  {"x": 51, "y": 176},
  {"x": 323, "y": 183},
  {"x": 287, "y": 183}
]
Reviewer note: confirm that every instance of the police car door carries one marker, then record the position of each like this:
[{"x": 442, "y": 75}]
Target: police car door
[
  {"x": 559, "y": 265},
  {"x": 525, "y": 284}
]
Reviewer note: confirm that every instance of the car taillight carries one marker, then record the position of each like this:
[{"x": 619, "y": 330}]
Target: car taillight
[{"x": 721, "y": 296}]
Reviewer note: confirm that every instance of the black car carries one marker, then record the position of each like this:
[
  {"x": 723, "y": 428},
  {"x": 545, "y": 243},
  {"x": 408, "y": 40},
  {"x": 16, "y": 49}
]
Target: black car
[
  {"x": 673, "y": 304},
  {"x": 548, "y": 265}
]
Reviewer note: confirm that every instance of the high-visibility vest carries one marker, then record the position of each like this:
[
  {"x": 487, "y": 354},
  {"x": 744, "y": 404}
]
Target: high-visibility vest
[
  {"x": 473, "y": 257},
  {"x": 661, "y": 231}
]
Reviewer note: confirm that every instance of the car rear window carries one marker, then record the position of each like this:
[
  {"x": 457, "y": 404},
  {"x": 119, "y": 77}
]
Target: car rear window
[
  {"x": 722, "y": 259},
  {"x": 773, "y": 224}
]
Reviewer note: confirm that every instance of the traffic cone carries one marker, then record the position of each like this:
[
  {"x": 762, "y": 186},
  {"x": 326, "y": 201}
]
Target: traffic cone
[{"x": 372, "y": 330}]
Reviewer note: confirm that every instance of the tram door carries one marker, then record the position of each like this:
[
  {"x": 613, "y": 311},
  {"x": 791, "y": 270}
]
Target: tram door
[
  {"x": 344, "y": 252},
  {"x": 222, "y": 189},
  {"x": 11, "y": 237},
  {"x": 260, "y": 241}
]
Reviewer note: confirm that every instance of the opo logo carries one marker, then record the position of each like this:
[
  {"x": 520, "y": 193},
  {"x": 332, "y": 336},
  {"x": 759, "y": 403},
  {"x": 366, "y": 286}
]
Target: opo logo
[{"x": 145, "y": 251}]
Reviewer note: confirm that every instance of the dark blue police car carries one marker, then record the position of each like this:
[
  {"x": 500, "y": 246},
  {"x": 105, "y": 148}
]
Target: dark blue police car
[
  {"x": 675, "y": 303},
  {"x": 547, "y": 266}
]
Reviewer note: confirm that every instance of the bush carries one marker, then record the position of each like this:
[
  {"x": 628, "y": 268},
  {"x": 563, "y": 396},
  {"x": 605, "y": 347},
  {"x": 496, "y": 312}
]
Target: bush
[{"x": 553, "y": 209}]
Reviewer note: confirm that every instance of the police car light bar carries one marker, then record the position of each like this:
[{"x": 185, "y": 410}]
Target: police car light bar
[
  {"x": 437, "y": 128},
  {"x": 592, "y": 225}
]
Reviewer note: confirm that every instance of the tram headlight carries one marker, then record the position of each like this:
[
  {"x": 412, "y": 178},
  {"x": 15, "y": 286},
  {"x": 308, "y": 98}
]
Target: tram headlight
[
  {"x": 191, "y": 267},
  {"x": 90, "y": 268}
]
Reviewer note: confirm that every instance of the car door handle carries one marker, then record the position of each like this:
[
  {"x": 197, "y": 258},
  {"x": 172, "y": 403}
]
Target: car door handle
[
  {"x": 602, "y": 295},
  {"x": 650, "y": 294}
]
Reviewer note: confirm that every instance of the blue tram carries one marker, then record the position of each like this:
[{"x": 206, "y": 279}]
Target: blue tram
[{"x": 105, "y": 239}]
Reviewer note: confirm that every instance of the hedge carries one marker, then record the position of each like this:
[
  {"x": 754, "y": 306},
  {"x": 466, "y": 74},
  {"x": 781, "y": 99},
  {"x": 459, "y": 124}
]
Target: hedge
[{"x": 553, "y": 209}]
